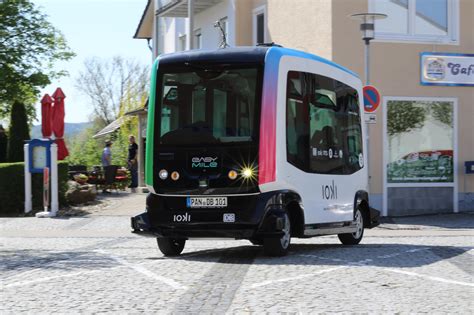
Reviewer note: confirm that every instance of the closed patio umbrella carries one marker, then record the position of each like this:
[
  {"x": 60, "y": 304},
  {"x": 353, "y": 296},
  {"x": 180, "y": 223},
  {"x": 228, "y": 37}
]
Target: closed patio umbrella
[
  {"x": 46, "y": 112},
  {"x": 58, "y": 123}
]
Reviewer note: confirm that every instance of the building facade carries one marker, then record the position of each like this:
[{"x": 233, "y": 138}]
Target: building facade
[{"x": 422, "y": 64}]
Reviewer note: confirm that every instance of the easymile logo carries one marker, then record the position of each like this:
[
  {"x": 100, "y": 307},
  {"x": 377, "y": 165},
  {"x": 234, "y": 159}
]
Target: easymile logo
[
  {"x": 204, "y": 162},
  {"x": 182, "y": 217}
]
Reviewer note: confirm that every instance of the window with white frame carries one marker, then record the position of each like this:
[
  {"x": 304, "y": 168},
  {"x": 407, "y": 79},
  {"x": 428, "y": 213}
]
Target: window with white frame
[
  {"x": 433, "y": 21},
  {"x": 198, "y": 39},
  {"x": 182, "y": 42},
  {"x": 259, "y": 25}
]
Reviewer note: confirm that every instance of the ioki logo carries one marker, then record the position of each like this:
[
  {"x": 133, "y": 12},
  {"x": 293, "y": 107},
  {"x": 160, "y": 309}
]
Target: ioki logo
[
  {"x": 204, "y": 162},
  {"x": 182, "y": 217},
  {"x": 329, "y": 191}
]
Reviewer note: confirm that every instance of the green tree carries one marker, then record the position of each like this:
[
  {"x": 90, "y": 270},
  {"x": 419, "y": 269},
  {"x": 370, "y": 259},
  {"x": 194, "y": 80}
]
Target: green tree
[
  {"x": 29, "y": 47},
  {"x": 404, "y": 116},
  {"x": 19, "y": 132},
  {"x": 3, "y": 145},
  {"x": 443, "y": 111}
]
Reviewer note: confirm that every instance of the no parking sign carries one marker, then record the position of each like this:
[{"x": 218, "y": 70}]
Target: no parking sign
[
  {"x": 371, "y": 103},
  {"x": 371, "y": 98}
]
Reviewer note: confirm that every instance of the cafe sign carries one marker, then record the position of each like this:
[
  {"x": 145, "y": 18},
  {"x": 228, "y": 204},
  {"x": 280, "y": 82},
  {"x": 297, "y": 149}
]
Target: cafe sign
[{"x": 447, "y": 69}]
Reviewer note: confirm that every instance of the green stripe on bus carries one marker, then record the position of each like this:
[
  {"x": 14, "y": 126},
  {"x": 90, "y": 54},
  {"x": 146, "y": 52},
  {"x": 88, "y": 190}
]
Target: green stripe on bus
[{"x": 150, "y": 132}]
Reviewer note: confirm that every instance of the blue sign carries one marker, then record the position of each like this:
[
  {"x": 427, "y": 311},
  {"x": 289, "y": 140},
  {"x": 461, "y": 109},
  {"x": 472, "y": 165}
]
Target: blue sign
[{"x": 39, "y": 155}]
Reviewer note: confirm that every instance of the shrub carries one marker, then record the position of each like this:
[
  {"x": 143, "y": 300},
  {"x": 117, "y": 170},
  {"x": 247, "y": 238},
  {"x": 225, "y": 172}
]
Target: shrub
[
  {"x": 19, "y": 132},
  {"x": 12, "y": 188}
]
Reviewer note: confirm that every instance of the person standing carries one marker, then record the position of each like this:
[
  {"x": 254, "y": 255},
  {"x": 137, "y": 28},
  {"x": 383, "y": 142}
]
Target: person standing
[
  {"x": 132, "y": 162},
  {"x": 106, "y": 160},
  {"x": 107, "y": 154},
  {"x": 3, "y": 145}
]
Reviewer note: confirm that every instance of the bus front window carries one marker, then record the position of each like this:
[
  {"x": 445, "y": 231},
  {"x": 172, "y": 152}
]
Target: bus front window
[{"x": 205, "y": 107}]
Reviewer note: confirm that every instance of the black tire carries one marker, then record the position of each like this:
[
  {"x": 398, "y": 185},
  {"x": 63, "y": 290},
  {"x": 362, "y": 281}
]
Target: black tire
[
  {"x": 356, "y": 237},
  {"x": 278, "y": 246},
  {"x": 171, "y": 246}
]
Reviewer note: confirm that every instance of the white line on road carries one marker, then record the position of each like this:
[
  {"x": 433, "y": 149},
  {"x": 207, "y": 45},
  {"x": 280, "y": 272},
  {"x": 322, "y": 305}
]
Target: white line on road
[
  {"x": 414, "y": 274},
  {"x": 172, "y": 283},
  {"x": 44, "y": 279},
  {"x": 264, "y": 283}
]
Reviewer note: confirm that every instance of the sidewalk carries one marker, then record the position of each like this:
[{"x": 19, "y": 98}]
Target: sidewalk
[{"x": 464, "y": 220}]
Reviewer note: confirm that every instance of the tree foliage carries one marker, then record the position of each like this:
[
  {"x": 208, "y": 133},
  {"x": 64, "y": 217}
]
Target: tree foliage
[
  {"x": 113, "y": 86},
  {"x": 404, "y": 116},
  {"x": 19, "y": 132},
  {"x": 29, "y": 47}
]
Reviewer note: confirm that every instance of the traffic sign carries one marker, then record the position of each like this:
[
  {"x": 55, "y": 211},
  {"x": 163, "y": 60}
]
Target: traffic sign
[{"x": 371, "y": 98}]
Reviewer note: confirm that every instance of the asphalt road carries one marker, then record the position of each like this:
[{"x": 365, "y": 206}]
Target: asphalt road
[{"x": 95, "y": 265}]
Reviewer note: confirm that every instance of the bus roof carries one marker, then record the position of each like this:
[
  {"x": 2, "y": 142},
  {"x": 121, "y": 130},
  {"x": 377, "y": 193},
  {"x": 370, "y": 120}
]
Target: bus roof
[{"x": 241, "y": 54}]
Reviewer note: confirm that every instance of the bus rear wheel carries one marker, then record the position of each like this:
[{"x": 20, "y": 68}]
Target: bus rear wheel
[
  {"x": 278, "y": 246},
  {"x": 356, "y": 237},
  {"x": 171, "y": 246}
]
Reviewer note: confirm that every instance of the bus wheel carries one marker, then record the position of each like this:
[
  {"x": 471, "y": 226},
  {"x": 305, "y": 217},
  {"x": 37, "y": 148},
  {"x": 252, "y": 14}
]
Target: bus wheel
[
  {"x": 279, "y": 246},
  {"x": 171, "y": 246},
  {"x": 356, "y": 237}
]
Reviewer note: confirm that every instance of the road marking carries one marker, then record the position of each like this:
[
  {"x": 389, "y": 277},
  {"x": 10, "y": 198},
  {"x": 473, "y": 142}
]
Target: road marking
[
  {"x": 264, "y": 283},
  {"x": 170, "y": 282},
  {"x": 414, "y": 274}
]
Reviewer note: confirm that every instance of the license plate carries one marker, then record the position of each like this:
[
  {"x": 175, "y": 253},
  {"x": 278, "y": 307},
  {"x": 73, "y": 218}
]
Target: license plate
[{"x": 206, "y": 202}]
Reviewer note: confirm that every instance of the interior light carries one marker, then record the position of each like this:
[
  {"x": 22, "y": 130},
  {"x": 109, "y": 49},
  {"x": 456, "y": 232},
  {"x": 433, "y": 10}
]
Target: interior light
[
  {"x": 163, "y": 174},
  {"x": 232, "y": 174}
]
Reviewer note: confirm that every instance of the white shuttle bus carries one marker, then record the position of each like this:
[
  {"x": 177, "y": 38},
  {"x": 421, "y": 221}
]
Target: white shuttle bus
[{"x": 259, "y": 143}]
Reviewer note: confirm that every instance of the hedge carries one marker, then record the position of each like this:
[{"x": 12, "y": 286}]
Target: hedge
[{"x": 12, "y": 188}]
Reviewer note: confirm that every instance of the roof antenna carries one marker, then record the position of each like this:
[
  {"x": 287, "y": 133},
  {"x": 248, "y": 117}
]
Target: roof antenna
[{"x": 223, "y": 43}]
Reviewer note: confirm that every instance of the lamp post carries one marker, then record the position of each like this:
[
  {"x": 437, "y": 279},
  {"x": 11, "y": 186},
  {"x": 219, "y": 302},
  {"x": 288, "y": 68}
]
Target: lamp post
[{"x": 367, "y": 27}]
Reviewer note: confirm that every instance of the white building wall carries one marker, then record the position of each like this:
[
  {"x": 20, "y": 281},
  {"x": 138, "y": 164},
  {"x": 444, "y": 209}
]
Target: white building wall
[{"x": 176, "y": 27}]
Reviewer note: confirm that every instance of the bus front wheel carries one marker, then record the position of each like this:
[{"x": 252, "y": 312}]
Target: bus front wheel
[
  {"x": 171, "y": 246},
  {"x": 279, "y": 246},
  {"x": 356, "y": 237}
]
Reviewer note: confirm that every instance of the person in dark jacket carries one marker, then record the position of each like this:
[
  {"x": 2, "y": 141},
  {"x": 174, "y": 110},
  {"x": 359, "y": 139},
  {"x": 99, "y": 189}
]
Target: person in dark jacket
[
  {"x": 132, "y": 161},
  {"x": 3, "y": 145}
]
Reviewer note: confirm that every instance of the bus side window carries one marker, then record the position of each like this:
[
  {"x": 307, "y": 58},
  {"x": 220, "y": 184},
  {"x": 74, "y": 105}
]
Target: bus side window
[{"x": 296, "y": 122}]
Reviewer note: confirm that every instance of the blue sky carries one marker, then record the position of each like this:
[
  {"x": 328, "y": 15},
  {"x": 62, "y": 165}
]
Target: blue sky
[{"x": 101, "y": 28}]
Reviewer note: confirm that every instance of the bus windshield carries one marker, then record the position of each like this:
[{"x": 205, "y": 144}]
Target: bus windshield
[{"x": 208, "y": 105}]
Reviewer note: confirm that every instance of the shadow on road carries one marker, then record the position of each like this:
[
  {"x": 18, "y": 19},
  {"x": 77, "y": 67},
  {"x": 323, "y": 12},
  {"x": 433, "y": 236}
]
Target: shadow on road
[{"x": 380, "y": 255}]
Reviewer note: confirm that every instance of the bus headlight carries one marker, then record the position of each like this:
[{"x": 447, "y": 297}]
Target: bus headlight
[
  {"x": 247, "y": 173},
  {"x": 175, "y": 176},
  {"x": 232, "y": 174},
  {"x": 163, "y": 174}
]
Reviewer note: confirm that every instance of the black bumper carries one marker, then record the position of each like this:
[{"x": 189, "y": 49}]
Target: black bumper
[
  {"x": 255, "y": 216},
  {"x": 374, "y": 218}
]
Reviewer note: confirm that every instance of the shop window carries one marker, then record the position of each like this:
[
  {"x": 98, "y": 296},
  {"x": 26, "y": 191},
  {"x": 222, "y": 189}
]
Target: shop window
[
  {"x": 323, "y": 125},
  {"x": 420, "y": 141},
  {"x": 417, "y": 20}
]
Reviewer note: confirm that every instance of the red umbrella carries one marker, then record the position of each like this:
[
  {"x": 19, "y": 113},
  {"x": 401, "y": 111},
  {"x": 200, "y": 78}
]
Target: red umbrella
[
  {"x": 58, "y": 123},
  {"x": 46, "y": 111}
]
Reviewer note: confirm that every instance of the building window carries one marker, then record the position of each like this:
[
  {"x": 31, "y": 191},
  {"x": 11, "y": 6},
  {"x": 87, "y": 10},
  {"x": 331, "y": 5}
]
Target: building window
[
  {"x": 259, "y": 25},
  {"x": 197, "y": 39},
  {"x": 433, "y": 21},
  {"x": 182, "y": 42},
  {"x": 323, "y": 125}
]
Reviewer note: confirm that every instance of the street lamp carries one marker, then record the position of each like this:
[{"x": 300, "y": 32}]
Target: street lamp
[{"x": 367, "y": 26}]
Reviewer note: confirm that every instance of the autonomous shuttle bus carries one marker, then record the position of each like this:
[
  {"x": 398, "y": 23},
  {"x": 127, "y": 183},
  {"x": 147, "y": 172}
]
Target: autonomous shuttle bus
[{"x": 259, "y": 143}]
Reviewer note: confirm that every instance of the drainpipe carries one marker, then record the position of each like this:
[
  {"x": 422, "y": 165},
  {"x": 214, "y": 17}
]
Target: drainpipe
[{"x": 190, "y": 36}]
